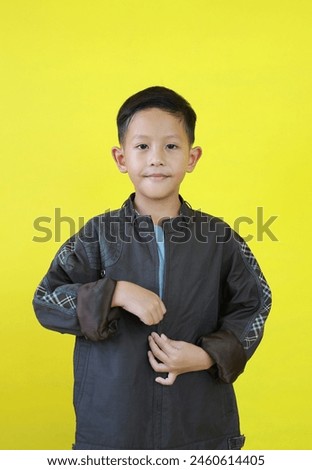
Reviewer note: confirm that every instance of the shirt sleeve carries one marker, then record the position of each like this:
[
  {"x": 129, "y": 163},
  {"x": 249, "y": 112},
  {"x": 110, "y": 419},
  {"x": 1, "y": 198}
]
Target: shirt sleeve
[
  {"x": 244, "y": 307},
  {"x": 75, "y": 296}
]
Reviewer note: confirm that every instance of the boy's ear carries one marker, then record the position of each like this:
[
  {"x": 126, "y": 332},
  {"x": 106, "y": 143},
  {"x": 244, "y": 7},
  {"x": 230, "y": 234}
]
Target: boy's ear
[
  {"x": 118, "y": 156},
  {"x": 195, "y": 154}
]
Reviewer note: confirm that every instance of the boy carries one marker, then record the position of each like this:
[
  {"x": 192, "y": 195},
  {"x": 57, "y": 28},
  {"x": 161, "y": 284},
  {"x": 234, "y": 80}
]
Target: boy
[{"x": 167, "y": 303}]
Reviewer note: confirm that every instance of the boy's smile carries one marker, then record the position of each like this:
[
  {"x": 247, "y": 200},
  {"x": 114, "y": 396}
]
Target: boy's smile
[{"x": 156, "y": 153}]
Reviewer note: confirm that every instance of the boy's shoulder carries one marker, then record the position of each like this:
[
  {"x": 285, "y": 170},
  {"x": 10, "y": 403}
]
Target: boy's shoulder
[{"x": 98, "y": 222}]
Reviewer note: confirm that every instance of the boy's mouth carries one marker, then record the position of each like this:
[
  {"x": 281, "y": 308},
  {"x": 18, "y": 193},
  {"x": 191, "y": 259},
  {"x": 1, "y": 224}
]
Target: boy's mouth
[{"x": 156, "y": 176}]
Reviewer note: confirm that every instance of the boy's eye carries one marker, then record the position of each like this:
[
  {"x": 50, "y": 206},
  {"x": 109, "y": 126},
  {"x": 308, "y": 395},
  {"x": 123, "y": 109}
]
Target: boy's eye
[
  {"x": 141, "y": 146},
  {"x": 171, "y": 146}
]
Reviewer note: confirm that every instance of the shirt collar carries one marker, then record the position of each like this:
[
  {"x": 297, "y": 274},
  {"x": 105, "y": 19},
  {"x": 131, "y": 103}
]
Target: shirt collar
[{"x": 186, "y": 211}]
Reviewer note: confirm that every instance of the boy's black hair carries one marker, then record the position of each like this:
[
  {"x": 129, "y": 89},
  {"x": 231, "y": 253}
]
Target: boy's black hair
[{"x": 161, "y": 98}]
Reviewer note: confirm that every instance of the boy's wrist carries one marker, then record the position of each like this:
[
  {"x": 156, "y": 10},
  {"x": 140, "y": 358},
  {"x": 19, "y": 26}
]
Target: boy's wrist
[
  {"x": 206, "y": 360},
  {"x": 116, "y": 300}
]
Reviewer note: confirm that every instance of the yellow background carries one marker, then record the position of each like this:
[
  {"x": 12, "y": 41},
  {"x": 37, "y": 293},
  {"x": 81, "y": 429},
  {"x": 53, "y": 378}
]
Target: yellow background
[{"x": 65, "y": 68}]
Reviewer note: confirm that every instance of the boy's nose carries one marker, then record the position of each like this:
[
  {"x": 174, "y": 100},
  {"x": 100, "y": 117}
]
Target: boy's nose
[
  {"x": 156, "y": 159},
  {"x": 157, "y": 163}
]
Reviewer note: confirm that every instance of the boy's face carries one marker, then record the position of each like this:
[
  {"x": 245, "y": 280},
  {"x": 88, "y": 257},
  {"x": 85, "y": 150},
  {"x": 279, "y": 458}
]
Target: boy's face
[{"x": 156, "y": 154}]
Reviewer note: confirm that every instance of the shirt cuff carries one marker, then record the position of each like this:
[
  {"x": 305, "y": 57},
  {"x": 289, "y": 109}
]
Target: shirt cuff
[
  {"x": 98, "y": 320},
  {"x": 228, "y": 354}
]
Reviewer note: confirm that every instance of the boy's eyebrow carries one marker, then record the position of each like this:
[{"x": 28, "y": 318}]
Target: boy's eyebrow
[{"x": 141, "y": 136}]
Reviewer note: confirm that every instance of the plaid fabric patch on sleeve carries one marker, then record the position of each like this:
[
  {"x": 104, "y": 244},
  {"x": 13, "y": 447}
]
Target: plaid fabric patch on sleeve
[
  {"x": 65, "y": 251},
  {"x": 257, "y": 325},
  {"x": 59, "y": 298}
]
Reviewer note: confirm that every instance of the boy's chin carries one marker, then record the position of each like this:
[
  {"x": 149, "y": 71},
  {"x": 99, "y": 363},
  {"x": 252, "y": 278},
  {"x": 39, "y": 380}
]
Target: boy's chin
[{"x": 158, "y": 195}]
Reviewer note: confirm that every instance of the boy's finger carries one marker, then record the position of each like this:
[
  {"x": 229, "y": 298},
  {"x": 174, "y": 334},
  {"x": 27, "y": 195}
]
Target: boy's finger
[
  {"x": 156, "y": 350},
  {"x": 168, "y": 380},
  {"x": 156, "y": 366},
  {"x": 160, "y": 312},
  {"x": 164, "y": 343},
  {"x": 157, "y": 314}
]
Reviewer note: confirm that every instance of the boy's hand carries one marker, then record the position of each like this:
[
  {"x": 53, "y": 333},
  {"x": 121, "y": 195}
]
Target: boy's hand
[
  {"x": 176, "y": 357},
  {"x": 143, "y": 303}
]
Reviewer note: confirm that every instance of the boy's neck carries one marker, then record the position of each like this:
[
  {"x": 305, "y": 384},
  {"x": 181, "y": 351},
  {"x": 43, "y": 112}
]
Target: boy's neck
[{"x": 158, "y": 209}]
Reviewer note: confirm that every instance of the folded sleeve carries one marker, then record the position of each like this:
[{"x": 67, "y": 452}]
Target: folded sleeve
[
  {"x": 245, "y": 303},
  {"x": 75, "y": 296},
  {"x": 97, "y": 319}
]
